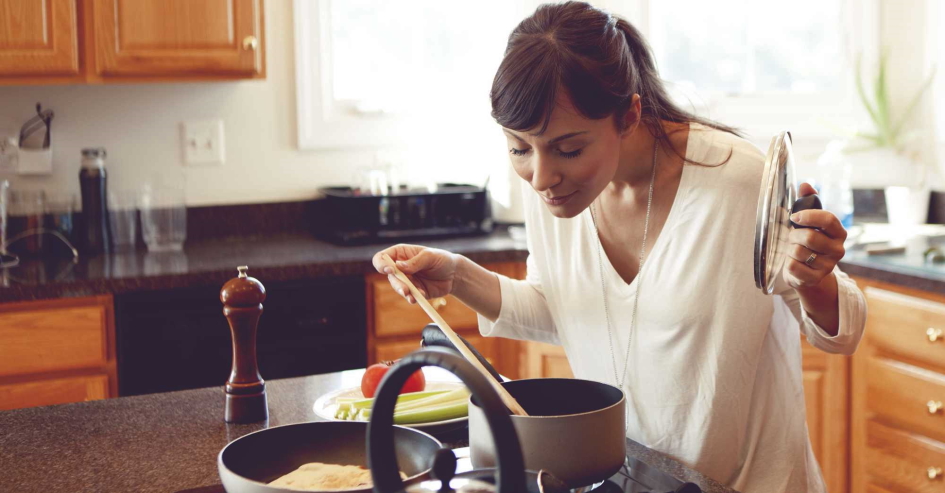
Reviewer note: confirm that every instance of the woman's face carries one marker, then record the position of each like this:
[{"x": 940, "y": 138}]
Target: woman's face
[{"x": 571, "y": 162}]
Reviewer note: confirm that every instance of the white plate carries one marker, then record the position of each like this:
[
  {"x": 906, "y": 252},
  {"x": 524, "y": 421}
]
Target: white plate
[{"x": 437, "y": 379}]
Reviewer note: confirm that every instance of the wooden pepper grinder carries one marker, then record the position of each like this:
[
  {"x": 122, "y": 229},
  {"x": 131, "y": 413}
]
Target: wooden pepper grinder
[{"x": 242, "y": 299}]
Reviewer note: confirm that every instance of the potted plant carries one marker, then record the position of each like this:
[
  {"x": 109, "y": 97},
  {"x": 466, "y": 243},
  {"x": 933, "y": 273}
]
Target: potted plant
[{"x": 883, "y": 157}]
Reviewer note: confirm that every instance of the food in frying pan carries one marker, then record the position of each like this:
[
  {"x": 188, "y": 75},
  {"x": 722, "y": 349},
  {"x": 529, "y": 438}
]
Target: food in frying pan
[
  {"x": 374, "y": 373},
  {"x": 317, "y": 476},
  {"x": 412, "y": 408}
]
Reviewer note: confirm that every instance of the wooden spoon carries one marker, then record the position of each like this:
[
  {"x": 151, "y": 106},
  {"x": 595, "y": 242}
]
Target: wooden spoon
[{"x": 507, "y": 398}]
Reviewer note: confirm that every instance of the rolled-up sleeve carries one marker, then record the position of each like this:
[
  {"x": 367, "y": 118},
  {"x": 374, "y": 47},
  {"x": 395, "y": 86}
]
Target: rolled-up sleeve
[
  {"x": 852, "y": 309},
  {"x": 524, "y": 313}
]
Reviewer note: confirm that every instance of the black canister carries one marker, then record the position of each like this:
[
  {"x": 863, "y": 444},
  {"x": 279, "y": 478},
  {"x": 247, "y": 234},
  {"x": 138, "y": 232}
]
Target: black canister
[{"x": 95, "y": 235}]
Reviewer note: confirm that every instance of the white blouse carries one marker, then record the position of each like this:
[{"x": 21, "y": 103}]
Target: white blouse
[{"x": 714, "y": 375}]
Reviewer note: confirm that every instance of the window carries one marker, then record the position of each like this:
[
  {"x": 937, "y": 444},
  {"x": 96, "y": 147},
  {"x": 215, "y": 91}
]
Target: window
[{"x": 763, "y": 66}]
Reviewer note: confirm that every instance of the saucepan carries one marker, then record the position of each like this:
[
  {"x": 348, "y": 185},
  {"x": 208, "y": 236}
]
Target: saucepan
[
  {"x": 575, "y": 429},
  {"x": 509, "y": 475},
  {"x": 248, "y": 464}
]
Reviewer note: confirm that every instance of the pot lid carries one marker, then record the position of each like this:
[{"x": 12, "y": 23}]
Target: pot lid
[{"x": 777, "y": 200}]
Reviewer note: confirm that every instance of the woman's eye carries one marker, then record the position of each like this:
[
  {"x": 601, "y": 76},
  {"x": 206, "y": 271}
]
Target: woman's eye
[
  {"x": 518, "y": 152},
  {"x": 569, "y": 155}
]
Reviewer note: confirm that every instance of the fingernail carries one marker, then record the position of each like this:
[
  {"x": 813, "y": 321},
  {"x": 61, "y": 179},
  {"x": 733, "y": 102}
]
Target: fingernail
[
  {"x": 796, "y": 216},
  {"x": 388, "y": 270}
]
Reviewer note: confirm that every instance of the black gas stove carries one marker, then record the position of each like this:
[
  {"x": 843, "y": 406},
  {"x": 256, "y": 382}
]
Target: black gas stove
[
  {"x": 639, "y": 477},
  {"x": 635, "y": 477}
]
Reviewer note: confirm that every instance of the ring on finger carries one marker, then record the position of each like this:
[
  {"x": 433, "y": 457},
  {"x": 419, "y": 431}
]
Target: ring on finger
[{"x": 810, "y": 260}]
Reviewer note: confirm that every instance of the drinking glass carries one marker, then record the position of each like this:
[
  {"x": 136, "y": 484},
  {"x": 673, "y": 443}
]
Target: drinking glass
[
  {"x": 163, "y": 218},
  {"x": 26, "y": 215},
  {"x": 123, "y": 220}
]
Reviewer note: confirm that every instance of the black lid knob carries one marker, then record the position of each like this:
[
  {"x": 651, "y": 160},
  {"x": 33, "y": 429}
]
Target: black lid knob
[{"x": 444, "y": 468}]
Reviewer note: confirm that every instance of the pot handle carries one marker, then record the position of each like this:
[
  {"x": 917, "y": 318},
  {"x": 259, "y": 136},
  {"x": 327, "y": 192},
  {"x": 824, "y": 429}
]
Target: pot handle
[
  {"x": 432, "y": 336},
  {"x": 803, "y": 204},
  {"x": 510, "y": 471}
]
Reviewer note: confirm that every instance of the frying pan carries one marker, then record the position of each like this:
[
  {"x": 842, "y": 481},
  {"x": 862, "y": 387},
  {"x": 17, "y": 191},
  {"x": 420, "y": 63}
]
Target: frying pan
[
  {"x": 576, "y": 429},
  {"x": 249, "y": 463}
]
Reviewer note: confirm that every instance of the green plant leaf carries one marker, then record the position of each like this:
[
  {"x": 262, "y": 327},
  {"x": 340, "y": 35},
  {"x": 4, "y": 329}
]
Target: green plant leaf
[
  {"x": 862, "y": 92},
  {"x": 912, "y": 105},
  {"x": 882, "y": 102}
]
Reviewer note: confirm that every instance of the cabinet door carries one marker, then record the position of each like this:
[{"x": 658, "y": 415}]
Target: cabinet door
[
  {"x": 38, "y": 38},
  {"x": 160, "y": 38},
  {"x": 53, "y": 391},
  {"x": 826, "y": 391},
  {"x": 545, "y": 361}
]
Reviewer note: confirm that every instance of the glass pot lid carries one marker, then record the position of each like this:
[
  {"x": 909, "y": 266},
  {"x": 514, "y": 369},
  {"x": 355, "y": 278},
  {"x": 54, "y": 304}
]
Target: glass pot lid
[{"x": 777, "y": 200}]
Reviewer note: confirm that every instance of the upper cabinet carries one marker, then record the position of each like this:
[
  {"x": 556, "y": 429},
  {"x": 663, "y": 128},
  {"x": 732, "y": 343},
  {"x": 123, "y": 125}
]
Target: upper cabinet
[
  {"x": 96, "y": 41},
  {"x": 155, "y": 38},
  {"x": 38, "y": 38}
]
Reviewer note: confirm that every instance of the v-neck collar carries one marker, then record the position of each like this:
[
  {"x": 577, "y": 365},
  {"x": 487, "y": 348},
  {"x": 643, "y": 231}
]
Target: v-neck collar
[{"x": 610, "y": 274}]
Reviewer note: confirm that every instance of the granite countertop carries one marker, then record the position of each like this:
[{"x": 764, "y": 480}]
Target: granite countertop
[
  {"x": 213, "y": 261},
  {"x": 169, "y": 442}
]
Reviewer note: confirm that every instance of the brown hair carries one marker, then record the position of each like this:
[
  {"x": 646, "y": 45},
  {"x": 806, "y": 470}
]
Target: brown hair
[{"x": 599, "y": 59}]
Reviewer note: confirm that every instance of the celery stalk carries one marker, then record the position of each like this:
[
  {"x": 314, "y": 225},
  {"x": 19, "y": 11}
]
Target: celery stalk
[
  {"x": 412, "y": 396},
  {"x": 455, "y": 409},
  {"x": 453, "y": 395}
]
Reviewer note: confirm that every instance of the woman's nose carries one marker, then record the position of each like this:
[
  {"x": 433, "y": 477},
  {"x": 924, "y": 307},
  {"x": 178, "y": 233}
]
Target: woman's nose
[{"x": 544, "y": 175}]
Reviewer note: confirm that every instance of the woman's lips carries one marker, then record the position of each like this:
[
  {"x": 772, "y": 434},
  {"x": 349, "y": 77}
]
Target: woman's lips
[{"x": 561, "y": 200}]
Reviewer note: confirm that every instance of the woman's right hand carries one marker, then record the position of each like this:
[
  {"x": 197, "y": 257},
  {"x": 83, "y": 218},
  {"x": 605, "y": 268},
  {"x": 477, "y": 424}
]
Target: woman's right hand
[{"x": 433, "y": 271}]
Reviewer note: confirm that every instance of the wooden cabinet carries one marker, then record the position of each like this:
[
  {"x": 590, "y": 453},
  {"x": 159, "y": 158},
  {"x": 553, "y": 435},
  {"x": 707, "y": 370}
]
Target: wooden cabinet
[
  {"x": 541, "y": 360},
  {"x": 53, "y": 391},
  {"x": 155, "y": 38},
  {"x": 394, "y": 326},
  {"x": 826, "y": 396},
  {"x": 52, "y": 352},
  {"x": 96, "y": 41},
  {"x": 38, "y": 38},
  {"x": 898, "y": 431}
]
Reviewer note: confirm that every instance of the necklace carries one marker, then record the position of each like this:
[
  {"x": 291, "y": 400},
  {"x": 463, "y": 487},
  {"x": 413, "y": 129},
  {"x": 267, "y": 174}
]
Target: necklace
[{"x": 636, "y": 298}]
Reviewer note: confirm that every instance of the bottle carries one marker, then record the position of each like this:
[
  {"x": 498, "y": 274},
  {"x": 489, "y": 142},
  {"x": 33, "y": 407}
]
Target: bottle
[
  {"x": 93, "y": 181},
  {"x": 835, "y": 170}
]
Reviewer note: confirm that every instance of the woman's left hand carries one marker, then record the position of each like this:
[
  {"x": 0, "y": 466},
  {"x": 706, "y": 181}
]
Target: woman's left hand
[{"x": 814, "y": 251}]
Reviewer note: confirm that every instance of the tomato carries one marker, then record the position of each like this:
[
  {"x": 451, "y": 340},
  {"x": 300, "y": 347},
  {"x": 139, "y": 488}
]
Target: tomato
[{"x": 374, "y": 373}]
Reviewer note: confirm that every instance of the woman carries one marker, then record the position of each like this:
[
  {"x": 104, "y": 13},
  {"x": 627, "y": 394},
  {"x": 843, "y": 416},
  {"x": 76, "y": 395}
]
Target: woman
[{"x": 640, "y": 228}]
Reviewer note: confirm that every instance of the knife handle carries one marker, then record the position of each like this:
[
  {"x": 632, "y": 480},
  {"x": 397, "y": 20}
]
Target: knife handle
[{"x": 803, "y": 204}]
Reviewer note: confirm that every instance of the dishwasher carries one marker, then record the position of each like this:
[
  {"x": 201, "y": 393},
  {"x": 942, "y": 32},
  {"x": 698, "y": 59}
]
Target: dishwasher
[{"x": 179, "y": 339}]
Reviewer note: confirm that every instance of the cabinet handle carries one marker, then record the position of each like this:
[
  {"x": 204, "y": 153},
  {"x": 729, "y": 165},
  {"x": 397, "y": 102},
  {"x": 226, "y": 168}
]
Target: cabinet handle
[
  {"x": 250, "y": 43},
  {"x": 934, "y": 334},
  {"x": 934, "y": 406},
  {"x": 438, "y": 303},
  {"x": 935, "y": 473}
]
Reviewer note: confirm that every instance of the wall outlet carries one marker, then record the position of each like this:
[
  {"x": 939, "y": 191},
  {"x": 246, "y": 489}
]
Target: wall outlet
[{"x": 203, "y": 143}]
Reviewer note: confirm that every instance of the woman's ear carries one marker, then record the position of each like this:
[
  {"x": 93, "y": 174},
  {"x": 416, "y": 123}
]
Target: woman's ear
[{"x": 631, "y": 119}]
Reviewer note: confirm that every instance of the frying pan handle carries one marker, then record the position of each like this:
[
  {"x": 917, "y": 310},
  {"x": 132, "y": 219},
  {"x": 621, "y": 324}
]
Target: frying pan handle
[
  {"x": 510, "y": 472},
  {"x": 803, "y": 204},
  {"x": 433, "y": 336}
]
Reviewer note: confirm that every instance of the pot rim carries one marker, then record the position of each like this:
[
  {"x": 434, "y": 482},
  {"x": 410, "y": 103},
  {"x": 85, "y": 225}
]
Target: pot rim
[
  {"x": 622, "y": 400},
  {"x": 222, "y": 464}
]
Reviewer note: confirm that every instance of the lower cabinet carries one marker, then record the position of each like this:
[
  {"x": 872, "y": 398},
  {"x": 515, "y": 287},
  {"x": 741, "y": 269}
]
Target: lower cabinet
[
  {"x": 898, "y": 424},
  {"x": 57, "y": 351},
  {"x": 394, "y": 326},
  {"x": 53, "y": 391}
]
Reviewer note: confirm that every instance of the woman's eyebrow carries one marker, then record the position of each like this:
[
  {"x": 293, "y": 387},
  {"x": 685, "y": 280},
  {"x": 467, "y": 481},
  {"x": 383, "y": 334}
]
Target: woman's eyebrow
[
  {"x": 566, "y": 136},
  {"x": 552, "y": 141}
]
